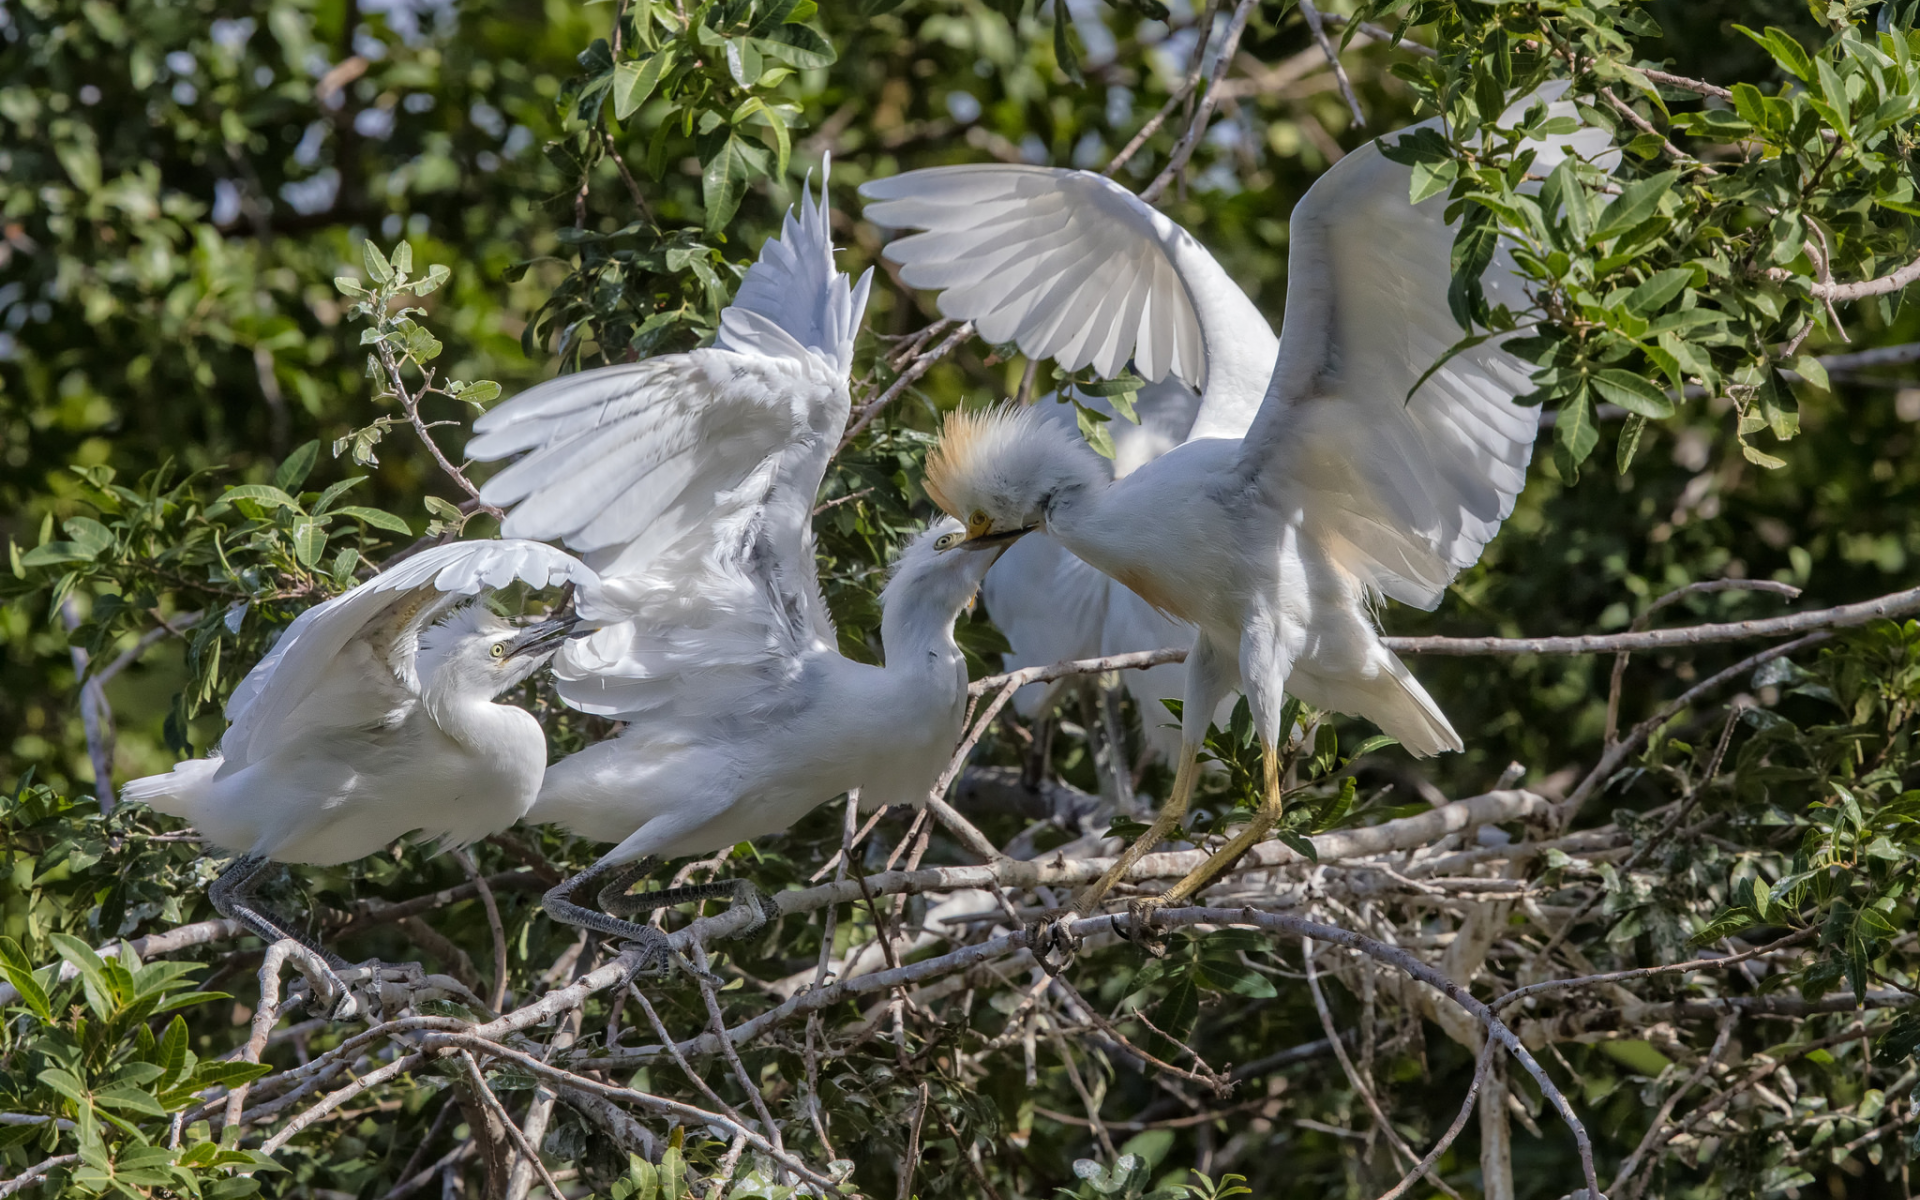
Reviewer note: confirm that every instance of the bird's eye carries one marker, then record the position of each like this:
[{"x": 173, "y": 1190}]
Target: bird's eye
[
  {"x": 947, "y": 541},
  {"x": 978, "y": 523},
  {"x": 499, "y": 650}
]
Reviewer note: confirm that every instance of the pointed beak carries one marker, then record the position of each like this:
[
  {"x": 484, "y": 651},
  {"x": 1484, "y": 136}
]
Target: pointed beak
[
  {"x": 997, "y": 541},
  {"x": 544, "y": 637}
]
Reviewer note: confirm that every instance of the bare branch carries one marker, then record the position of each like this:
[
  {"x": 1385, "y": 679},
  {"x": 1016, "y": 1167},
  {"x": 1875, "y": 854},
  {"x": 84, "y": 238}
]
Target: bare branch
[
  {"x": 1314, "y": 23},
  {"x": 1197, "y": 126},
  {"x": 1354, "y": 1081},
  {"x": 497, "y": 995},
  {"x": 920, "y": 365}
]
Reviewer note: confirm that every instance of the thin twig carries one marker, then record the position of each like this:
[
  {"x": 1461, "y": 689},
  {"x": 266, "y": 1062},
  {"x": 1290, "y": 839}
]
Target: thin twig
[
  {"x": 497, "y": 997},
  {"x": 1312, "y": 14},
  {"x": 1197, "y": 125},
  {"x": 1380, "y": 1122},
  {"x": 1660, "y": 1119},
  {"x": 920, "y": 365},
  {"x": 1425, "y": 1165}
]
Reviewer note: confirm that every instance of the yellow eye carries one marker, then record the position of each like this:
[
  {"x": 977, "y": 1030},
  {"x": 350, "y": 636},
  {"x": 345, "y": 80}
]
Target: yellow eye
[
  {"x": 499, "y": 650},
  {"x": 978, "y": 523},
  {"x": 948, "y": 541}
]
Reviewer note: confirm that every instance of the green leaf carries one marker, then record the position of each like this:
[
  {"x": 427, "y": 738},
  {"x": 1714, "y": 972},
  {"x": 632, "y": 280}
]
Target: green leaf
[
  {"x": 376, "y": 517},
  {"x": 1378, "y": 741},
  {"x": 1629, "y": 442},
  {"x": 261, "y": 493},
  {"x": 294, "y": 471},
  {"x": 129, "y": 1098},
  {"x": 1785, "y": 51},
  {"x": 1632, "y": 393},
  {"x": 1299, "y": 844},
  {"x": 53, "y": 554},
  {"x": 19, "y": 973},
  {"x": 309, "y": 541},
  {"x": 402, "y": 258},
  {"x": 633, "y": 82},
  {"x": 65, "y": 1083},
  {"x": 1093, "y": 427},
  {"x": 89, "y": 535},
  {"x": 1635, "y": 203},
  {"x": 724, "y": 179},
  {"x": 436, "y": 275},
  {"x": 1574, "y": 436},
  {"x": 377, "y": 265},
  {"x": 334, "y": 492},
  {"x": 1653, "y": 295},
  {"x": 798, "y": 46},
  {"x": 480, "y": 391},
  {"x": 93, "y": 973},
  {"x": 1432, "y": 178}
]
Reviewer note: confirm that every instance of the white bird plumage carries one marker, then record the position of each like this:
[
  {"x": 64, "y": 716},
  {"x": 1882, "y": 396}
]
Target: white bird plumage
[
  {"x": 373, "y": 718},
  {"x": 689, "y": 482},
  {"x": 1308, "y": 488}
]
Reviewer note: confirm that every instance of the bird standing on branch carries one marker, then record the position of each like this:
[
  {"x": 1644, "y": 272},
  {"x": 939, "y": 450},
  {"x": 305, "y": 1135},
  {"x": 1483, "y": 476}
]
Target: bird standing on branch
[
  {"x": 1316, "y": 479},
  {"x": 688, "y": 481},
  {"x": 373, "y": 718}
]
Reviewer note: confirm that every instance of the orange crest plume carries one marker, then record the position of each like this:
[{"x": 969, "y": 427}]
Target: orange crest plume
[{"x": 959, "y": 442}]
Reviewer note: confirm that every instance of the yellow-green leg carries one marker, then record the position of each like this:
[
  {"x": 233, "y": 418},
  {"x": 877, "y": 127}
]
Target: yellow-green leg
[
  {"x": 1263, "y": 820},
  {"x": 1172, "y": 813}
]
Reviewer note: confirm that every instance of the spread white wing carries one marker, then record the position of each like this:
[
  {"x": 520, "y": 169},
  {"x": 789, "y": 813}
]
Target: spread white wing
[
  {"x": 688, "y": 481},
  {"x": 378, "y": 624},
  {"x": 1409, "y": 490},
  {"x": 1074, "y": 267}
]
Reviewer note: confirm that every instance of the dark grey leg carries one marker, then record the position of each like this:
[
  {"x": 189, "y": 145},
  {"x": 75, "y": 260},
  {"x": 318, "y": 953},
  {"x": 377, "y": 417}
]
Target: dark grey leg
[
  {"x": 559, "y": 905},
  {"x": 615, "y": 899},
  {"x": 232, "y": 896}
]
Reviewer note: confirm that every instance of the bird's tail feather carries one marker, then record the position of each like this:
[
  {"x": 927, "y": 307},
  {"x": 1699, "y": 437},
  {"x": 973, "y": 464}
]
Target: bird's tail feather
[
  {"x": 181, "y": 792},
  {"x": 1392, "y": 699}
]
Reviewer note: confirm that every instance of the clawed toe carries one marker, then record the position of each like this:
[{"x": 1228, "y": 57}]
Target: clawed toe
[
  {"x": 1053, "y": 943},
  {"x": 1141, "y": 926}
]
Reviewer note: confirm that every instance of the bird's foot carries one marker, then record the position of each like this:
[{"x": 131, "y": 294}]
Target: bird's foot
[
  {"x": 1141, "y": 928},
  {"x": 655, "y": 955},
  {"x": 764, "y": 907},
  {"x": 327, "y": 993},
  {"x": 1053, "y": 941}
]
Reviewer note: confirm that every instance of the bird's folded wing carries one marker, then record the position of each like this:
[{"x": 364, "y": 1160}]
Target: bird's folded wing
[
  {"x": 1066, "y": 264},
  {"x": 1406, "y": 491},
  {"x": 388, "y": 611}
]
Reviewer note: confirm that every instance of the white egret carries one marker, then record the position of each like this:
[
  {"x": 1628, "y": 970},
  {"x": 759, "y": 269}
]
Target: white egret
[
  {"x": 1311, "y": 485},
  {"x": 373, "y": 718},
  {"x": 688, "y": 481},
  {"x": 749, "y": 722},
  {"x": 1052, "y": 606}
]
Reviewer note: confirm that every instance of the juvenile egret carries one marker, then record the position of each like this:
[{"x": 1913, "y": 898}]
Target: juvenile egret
[
  {"x": 372, "y": 718},
  {"x": 1310, "y": 486},
  {"x": 688, "y": 482},
  {"x": 750, "y": 722}
]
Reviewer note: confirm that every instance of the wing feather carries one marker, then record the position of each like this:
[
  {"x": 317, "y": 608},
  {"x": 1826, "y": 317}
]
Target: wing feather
[
  {"x": 1409, "y": 490},
  {"x": 1072, "y": 266},
  {"x": 390, "y": 609},
  {"x": 688, "y": 483}
]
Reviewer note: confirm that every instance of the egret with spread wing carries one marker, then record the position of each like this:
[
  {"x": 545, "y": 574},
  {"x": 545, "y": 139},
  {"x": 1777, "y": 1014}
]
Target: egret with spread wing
[
  {"x": 372, "y": 718},
  {"x": 688, "y": 481},
  {"x": 1311, "y": 484}
]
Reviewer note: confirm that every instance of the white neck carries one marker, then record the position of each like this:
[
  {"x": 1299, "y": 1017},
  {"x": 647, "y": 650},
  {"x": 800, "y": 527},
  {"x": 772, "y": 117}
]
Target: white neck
[
  {"x": 478, "y": 724},
  {"x": 1240, "y": 344}
]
